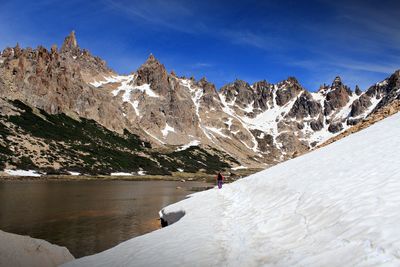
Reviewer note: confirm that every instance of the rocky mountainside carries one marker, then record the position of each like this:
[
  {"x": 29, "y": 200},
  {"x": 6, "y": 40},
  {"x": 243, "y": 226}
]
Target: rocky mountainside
[{"x": 247, "y": 125}]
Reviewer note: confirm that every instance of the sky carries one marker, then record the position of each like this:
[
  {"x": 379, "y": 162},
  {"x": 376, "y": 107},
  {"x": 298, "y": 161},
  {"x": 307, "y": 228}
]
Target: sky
[{"x": 314, "y": 41}]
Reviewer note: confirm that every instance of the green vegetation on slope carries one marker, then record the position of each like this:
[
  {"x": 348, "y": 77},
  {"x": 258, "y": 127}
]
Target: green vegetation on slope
[{"x": 87, "y": 147}]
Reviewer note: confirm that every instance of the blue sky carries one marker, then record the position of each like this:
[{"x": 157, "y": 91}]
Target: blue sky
[{"x": 222, "y": 40}]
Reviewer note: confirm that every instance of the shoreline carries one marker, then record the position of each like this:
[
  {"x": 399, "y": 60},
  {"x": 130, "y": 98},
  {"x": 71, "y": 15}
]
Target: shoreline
[{"x": 183, "y": 177}]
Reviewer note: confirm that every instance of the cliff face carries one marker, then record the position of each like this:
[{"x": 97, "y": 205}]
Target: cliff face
[{"x": 258, "y": 125}]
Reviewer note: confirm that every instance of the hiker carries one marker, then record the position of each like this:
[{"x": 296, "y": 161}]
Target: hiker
[{"x": 220, "y": 178}]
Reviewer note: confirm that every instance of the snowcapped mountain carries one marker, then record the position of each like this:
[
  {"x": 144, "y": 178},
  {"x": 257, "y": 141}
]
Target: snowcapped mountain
[
  {"x": 335, "y": 206},
  {"x": 258, "y": 125}
]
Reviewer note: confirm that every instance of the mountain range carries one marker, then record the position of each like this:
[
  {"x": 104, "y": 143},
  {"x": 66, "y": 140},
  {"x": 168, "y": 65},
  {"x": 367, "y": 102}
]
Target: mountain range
[{"x": 64, "y": 110}]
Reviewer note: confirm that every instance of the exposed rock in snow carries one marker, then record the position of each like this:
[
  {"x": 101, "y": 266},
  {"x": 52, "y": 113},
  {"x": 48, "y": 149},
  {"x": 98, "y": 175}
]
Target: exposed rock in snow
[
  {"x": 18, "y": 250},
  {"x": 336, "y": 206}
]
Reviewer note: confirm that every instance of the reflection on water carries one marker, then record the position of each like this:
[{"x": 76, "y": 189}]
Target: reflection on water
[{"x": 86, "y": 216}]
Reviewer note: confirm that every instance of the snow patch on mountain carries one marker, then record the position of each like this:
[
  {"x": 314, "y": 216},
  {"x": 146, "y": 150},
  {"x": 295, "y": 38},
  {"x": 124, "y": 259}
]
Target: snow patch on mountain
[
  {"x": 121, "y": 174},
  {"x": 135, "y": 105},
  {"x": 30, "y": 173},
  {"x": 267, "y": 121},
  {"x": 374, "y": 102},
  {"x": 128, "y": 88},
  {"x": 317, "y": 136},
  {"x": 153, "y": 136},
  {"x": 146, "y": 89},
  {"x": 190, "y": 144},
  {"x": 229, "y": 123},
  {"x": 196, "y": 94},
  {"x": 167, "y": 129},
  {"x": 344, "y": 112},
  {"x": 111, "y": 79},
  {"x": 382, "y": 83},
  {"x": 239, "y": 168},
  {"x": 217, "y": 131}
]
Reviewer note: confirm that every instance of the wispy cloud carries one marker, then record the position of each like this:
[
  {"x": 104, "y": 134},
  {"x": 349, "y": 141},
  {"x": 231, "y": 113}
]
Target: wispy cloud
[
  {"x": 166, "y": 14},
  {"x": 182, "y": 16},
  {"x": 349, "y": 64},
  {"x": 363, "y": 26},
  {"x": 199, "y": 65},
  {"x": 352, "y": 72},
  {"x": 258, "y": 40},
  {"x": 366, "y": 66}
]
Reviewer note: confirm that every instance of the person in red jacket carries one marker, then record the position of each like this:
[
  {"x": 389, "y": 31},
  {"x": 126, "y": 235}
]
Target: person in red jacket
[{"x": 220, "y": 179}]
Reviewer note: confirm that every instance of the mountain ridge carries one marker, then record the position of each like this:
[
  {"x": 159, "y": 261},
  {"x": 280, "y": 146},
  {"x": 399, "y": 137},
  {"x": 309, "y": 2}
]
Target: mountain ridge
[{"x": 258, "y": 124}]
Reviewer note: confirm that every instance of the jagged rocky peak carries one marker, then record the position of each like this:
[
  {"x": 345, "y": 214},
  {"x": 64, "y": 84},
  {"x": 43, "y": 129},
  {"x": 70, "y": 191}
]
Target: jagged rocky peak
[
  {"x": 262, "y": 85},
  {"x": 91, "y": 67},
  {"x": 394, "y": 79},
  {"x": 292, "y": 81},
  {"x": 360, "y": 105},
  {"x": 357, "y": 90},
  {"x": 70, "y": 44},
  {"x": 239, "y": 91},
  {"x": 263, "y": 94},
  {"x": 287, "y": 90},
  {"x": 388, "y": 90},
  {"x": 338, "y": 95},
  {"x": 154, "y": 73},
  {"x": 53, "y": 49},
  {"x": 385, "y": 92},
  {"x": 323, "y": 88},
  {"x": 305, "y": 106},
  {"x": 8, "y": 52},
  {"x": 210, "y": 96},
  {"x": 153, "y": 64},
  {"x": 236, "y": 87},
  {"x": 152, "y": 60},
  {"x": 337, "y": 82},
  {"x": 208, "y": 87},
  {"x": 240, "y": 84},
  {"x": 17, "y": 50}
]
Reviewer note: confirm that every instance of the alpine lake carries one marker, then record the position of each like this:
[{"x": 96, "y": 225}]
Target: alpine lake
[{"x": 88, "y": 216}]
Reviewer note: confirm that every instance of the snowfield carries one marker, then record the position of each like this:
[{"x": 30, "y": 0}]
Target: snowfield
[{"x": 336, "y": 206}]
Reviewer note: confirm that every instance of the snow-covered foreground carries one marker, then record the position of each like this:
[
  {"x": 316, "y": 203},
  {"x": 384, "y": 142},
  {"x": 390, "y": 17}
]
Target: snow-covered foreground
[
  {"x": 337, "y": 206},
  {"x": 18, "y": 250}
]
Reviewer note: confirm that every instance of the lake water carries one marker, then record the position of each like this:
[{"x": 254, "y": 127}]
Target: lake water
[{"x": 87, "y": 216}]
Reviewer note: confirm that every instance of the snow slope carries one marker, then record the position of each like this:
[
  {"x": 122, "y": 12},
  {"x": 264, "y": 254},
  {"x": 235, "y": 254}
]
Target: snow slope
[
  {"x": 336, "y": 206},
  {"x": 18, "y": 250}
]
